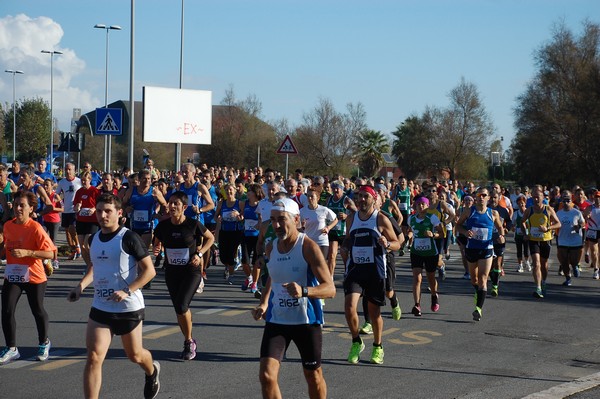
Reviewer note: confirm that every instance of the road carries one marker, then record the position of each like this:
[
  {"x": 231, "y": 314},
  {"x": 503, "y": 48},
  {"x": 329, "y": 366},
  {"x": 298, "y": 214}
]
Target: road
[{"x": 521, "y": 347}]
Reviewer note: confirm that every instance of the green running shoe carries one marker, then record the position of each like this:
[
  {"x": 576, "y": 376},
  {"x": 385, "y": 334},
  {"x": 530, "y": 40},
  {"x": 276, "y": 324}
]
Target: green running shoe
[
  {"x": 538, "y": 293},
  {"x": 494, "y": 290},
  {"x": 396, "y": 312},
  {"x": 366, "y": 329},
  {"x": 355, "y": 351},
  {"x": 377, "y": 355},
  {"x": 477, "y": 314}
]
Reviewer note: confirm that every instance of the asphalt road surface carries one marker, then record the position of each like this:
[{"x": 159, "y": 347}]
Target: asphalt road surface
[{"x": 522, "y": 346}]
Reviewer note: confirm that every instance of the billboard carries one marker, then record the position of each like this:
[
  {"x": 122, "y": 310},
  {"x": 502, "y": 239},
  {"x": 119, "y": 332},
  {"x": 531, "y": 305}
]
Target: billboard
[{"x": 177, "y": 115}]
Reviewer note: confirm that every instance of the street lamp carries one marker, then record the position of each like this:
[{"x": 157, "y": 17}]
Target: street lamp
[
  {"x": 14, "y": 72},
  {"x": 107, "y": 138},
  {"x": 52, "y": 53}
]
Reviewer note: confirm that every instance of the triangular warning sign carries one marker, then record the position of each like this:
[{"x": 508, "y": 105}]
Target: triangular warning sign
[
  {"x": 108, "y": 124},
  {"x": 287, "y": 147}
]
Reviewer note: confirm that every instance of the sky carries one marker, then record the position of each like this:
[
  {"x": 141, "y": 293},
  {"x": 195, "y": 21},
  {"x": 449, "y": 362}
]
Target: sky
[{"x": 396, "y": 57}]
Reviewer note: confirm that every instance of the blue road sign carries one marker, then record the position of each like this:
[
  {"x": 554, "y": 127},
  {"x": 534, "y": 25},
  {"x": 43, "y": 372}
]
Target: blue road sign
[{"x": 109, "y": 121}]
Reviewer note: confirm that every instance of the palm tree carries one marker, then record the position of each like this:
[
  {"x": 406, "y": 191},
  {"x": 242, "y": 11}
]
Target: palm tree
[{"x": 370, "y": 147}]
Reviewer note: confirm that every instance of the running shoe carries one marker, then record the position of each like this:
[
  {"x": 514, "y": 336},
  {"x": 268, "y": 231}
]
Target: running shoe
[
  {"x": 544, "y": 287},
  {"x": 7, "y": 355},
  {"x": 189, "y": 349},
  {"x": 355, "y": 351},
  {"x": 520, "y": 269},
  {"x": 377, "y": 355},
  {"x": 401, "y": 252},
  {"x": 366, "y": 329},
  {"x": 447, "y": 255},
  {"x": 466, "y": 276},
  {"x": 560, "y": 272},
  {"x": 253, "y": 288},
  {"x": 48, "y": 267},
  {"x": 587, "y": 258},
  {"x": 494, "y": 290},
  {"x": 477, "y": 313},
  {"x": 246, "y": 283},
  {"x": 396, "y": 312},
  {"x": 568, "y": 283},
  {"x": 416, "y": 310},
  {"x": 538, "y": 293},
  {"x": 528, "y": 263},
  {"x": 257, "y": 294},
  {"x": 230, "y": 280},
  {"x": 596, "y": 274},
  {"x": 435, "y": 306},
  {"x": 152, "y": 385},
  {"x": 576, "y": 271},
  {"x": 226, "y": 274},
  {"x": 200, "y": 288},
  {"x": 43, "y": 351},
  {"x": 442, "y": 272}
]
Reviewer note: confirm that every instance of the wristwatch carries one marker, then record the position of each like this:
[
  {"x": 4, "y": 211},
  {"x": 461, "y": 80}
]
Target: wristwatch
[
  {"x": 199, "y": 254},
  {"x": 127, "y": 291},
  {"x": 304, "y": 291}
]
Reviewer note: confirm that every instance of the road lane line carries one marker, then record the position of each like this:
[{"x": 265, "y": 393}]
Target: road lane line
[{"x": 163, "y": 333}]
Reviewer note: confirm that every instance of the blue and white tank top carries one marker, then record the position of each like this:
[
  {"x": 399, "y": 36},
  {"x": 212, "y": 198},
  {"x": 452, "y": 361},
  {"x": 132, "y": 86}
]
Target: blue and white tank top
[
  {"x": 143, "y": 209},
  {"x": 366, "y": 251},
  {"x": 482, "y": 226},
  {"x": 193, "y": 199},
  {"x": 286, "y": 268}
]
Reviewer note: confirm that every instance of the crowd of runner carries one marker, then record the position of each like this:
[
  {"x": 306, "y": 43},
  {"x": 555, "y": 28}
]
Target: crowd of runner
[{"x": 283, "y": 235}]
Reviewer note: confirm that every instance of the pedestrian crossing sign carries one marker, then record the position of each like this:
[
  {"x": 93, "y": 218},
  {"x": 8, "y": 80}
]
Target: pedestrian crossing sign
[
  {"x": 109, "y": 121},
  {"x": 287, "y": 147}
]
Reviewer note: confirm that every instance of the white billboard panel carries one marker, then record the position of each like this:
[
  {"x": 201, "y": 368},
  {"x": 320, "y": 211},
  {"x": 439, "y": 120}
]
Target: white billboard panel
[{"x": 177, "y": 115}]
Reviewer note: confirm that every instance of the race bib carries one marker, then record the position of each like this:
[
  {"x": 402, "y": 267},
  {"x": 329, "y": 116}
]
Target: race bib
[
  {"x": 284, "y": 299},
  {"x": 480, "y": 233},
  {"x": 535, "y": 232},
  {"x": 250, "y": 224},
  {"x": 86, "y": 212},
  {"x": 101, "y": 287},
  {"x": 403, "y": 206},
  {"x": 592, "y": 234},
  {"x": 422, "y": 244},
  {"x": 362, "y": 255},
  {"x": 140, "y": 216},
  {"x": 178, "y": 256},
  {"x": 17, "y": 273},
  {"x": 228, "y": 216}
]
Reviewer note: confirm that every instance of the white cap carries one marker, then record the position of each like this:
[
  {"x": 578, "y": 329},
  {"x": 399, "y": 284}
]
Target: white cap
[{"x": 286, "y": 205}]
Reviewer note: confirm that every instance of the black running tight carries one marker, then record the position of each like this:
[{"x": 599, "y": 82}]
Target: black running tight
[{"x": 11, "y": 292}]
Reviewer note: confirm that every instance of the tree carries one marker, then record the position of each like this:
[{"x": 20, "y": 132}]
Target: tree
[
  {"x": 33, "y": 122},
  {"x": 558, "y": 115},
  {"x": 454, "y": 138},
  {"x": 370, "y": 148},
  {"x": 462, "y": 131},
  {"x": 326, "y": 138},
  {"x": 413, "y": 147}
]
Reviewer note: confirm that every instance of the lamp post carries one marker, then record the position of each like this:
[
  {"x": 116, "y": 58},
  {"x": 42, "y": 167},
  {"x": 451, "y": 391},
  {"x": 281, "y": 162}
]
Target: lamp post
[
  {"x": 107, "y": 138},
  {"x": 14, "y": 72},
  {"x": 52, "y": 53}
]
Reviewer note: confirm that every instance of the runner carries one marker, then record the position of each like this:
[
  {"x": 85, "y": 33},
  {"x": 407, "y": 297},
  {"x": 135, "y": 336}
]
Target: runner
[
  {"x": 569, "y": 237},
  {"x": 466, "y": 204},
  {"x": 522, "y": 246},
  {"x": 592, "y": 237},
  {"x": 445, "y": 214},
  {"x": 67, "y": 187},
  {"x": 499, "y": 245},
  {"x": 230, "y": 231},
  {"x": 185, "y": 241},
  {"x": 369, "y": 234},
  {"x": 251, "y": 229},
  {"x": 542, "y": 220},
  {"x": 84, "y": 204},
  {"x": 291, "y": 306},
  {"x": 339, "y": 204},
  {"x": 317, "y": 221},
  {"x": 425, "y": 228},
  {"x": 477, "y": 225},
  {"x": 26, "y": 245},
  {"x": 118, "y": 266}
]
